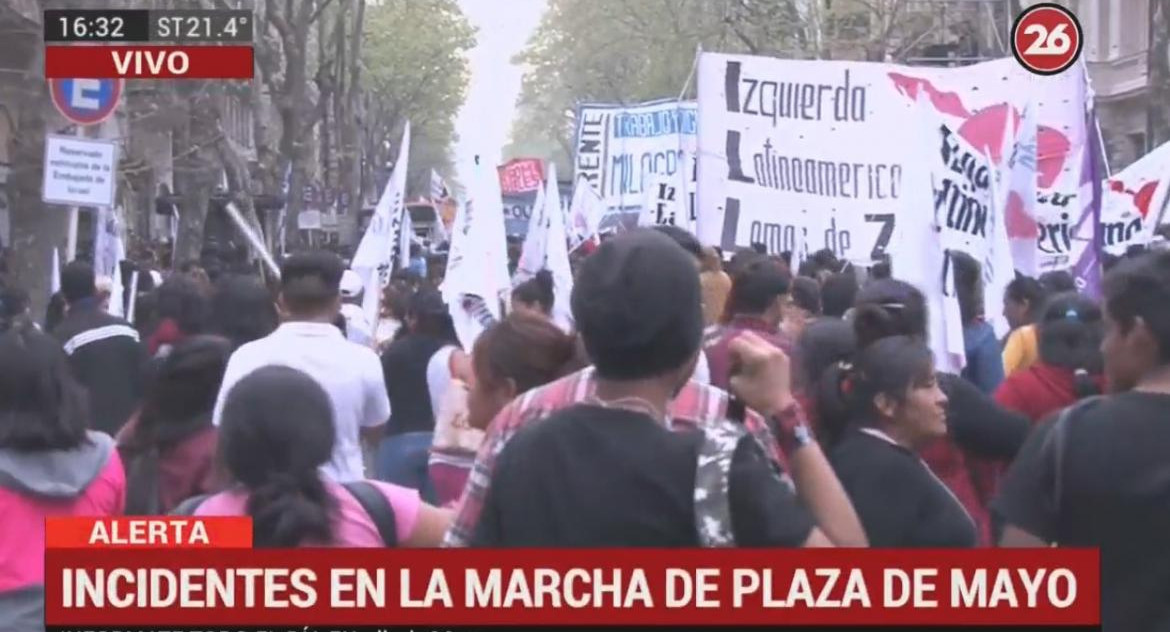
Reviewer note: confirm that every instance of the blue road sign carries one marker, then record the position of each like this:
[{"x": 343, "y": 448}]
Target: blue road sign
[{"x": 86, "y": 101}]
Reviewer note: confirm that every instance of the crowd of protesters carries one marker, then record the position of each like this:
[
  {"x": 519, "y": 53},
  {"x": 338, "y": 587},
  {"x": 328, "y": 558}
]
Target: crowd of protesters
[{"x": 701, "y": 398}]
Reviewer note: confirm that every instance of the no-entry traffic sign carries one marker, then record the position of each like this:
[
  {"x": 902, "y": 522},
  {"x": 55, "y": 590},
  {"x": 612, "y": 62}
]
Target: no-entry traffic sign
[{"x": 86, "y": 101}]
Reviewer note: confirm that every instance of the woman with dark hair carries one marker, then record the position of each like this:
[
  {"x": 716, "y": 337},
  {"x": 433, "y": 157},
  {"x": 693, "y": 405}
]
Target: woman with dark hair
[
  {"x": 181, "y": 308},
  {"x": 1058, "y": 282},
  {"x": 169, "y": 447},
  {"x": 535, "y": 295},
  {"x": 895, "y": 408},
  {"x": 804, "y": 307},
  {"x": 50, "y": 465},
  {"x": 978, "y": 430},
  {"x": 418, "y": 369},
  {"x": 1022, "y": 299},
  {"x": 277, "y": 432},
  {"x": 824, "y": 343},
  {"x": 518, "y": 354},
  {"x": 242, "y": 310},
  {"x": 1070, "y": 368},
  {"x": 984, "y": 366}
]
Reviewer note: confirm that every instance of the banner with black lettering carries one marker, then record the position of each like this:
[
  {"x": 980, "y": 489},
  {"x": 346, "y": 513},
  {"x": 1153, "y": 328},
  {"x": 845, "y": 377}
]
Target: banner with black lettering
[
  {"x": 621, "y": 151},
  {"x": 802, "y": 155}
]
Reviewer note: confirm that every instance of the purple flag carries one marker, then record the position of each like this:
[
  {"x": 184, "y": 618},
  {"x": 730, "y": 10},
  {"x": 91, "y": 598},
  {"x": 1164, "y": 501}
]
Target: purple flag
[{"x": 1087, "y": 269}]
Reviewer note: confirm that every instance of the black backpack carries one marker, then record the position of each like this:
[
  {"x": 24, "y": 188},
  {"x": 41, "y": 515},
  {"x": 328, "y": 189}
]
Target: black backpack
[{"x": 368, "y": 496}]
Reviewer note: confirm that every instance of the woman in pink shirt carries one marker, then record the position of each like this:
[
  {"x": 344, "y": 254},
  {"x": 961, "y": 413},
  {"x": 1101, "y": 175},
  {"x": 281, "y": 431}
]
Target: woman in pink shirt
[
  {"x": 49, "y": 464},
  {"x": 276, "y": 433}
]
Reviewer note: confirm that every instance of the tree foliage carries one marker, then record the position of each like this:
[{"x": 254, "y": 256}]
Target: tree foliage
[
  {"x": 415, "y": 68},
  {"x": 626, "y": 51}
]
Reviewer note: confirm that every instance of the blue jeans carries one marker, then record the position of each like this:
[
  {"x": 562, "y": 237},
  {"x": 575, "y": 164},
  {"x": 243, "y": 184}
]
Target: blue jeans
[{"x": 402, "y": 460}]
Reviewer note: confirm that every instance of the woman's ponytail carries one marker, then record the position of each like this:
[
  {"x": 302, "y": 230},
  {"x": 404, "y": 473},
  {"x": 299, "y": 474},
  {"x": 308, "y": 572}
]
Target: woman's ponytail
[
  {"x": 834, "y": 402},
  {"x": 289, "y": 509},
  {"x": 277, "y": 432}
]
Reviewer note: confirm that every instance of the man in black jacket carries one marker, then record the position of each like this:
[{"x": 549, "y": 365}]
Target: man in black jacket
[{"x": 103, "y": 350}]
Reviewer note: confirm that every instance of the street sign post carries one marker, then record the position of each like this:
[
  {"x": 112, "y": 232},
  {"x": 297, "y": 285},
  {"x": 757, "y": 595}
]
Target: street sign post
[{"x": 84, "y": 102}]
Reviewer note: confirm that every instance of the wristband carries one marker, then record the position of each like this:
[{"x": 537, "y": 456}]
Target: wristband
[{"x": 792, "y": 433}]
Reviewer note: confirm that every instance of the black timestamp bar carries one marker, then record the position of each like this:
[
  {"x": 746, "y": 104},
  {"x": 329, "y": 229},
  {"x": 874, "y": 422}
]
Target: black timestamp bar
[
  {"x": 97, "y": 25},
  {"x": 140, "y": 25}
]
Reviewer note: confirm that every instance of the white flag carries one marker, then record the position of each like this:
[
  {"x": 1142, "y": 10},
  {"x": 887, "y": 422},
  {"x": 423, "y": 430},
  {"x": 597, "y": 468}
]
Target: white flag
[
  {"x": 55, "y": 275},
  {"x": 405, "y": 239},
  {"x": 1020, "y": 194},
  {"x": 109, "y": 251},
  {"x": 585, "y": 213},
  {"x": 438, "y": 187},
  {"x": 917, "y": 247},
  {"x": 535, "y": 247},
  {"x": 477, "y": 263},
  {"x": 377, "y": 249},
  {"x": 556, "y": 258}
]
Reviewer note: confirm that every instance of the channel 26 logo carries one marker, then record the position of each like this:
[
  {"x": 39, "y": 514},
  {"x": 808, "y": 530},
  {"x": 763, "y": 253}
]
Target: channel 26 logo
[{"x": 1047, "y": 38}]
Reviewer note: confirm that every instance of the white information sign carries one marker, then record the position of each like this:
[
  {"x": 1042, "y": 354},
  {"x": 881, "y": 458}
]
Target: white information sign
[{"x": 79, "y": 171}]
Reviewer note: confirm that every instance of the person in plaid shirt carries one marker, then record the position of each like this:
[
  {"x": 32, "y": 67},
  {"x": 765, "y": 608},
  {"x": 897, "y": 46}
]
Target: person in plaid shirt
[{"x": 694, "y": 406}]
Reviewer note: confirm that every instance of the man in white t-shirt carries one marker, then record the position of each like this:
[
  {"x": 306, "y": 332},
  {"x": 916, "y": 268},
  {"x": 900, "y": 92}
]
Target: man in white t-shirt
[{"x": 308, "y": 341}]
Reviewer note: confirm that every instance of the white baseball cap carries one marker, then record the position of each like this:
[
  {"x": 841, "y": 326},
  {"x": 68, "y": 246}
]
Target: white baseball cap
[{"x": 351, "y": 284}]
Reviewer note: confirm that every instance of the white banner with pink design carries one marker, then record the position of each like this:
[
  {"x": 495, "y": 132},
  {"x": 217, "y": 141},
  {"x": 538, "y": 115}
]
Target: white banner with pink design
[
  {"x": 803, "y": 155},
  {"x": 1134, "y": 200}
]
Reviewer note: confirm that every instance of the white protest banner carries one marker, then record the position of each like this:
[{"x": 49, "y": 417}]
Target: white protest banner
[
  {"x": 79, "y": 172},
  {"x": 477, "y": 263},
  {"x": 379, "y": 245},
  {"x": 665, "y": 204},
  {"x": 969, "y": 210},
  {"x": 585, "y": 213},
  {"x": 1133, "y": 201},
  {"x": 805, "y": 155},
  {"x": 618, "y": 147}
]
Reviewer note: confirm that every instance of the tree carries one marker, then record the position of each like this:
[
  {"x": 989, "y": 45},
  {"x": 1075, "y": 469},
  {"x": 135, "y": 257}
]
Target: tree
[
  {"x": 36, "y": 227},
  {"x": 626, "y": 51},
  {"x": 415, "y": 68}
]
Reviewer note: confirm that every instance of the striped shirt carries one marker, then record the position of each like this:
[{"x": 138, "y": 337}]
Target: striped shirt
[{"x": 696, "y": 405}]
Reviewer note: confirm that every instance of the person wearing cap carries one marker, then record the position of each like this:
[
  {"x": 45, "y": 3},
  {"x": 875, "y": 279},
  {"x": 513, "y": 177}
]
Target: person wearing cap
[
  {"x": 418, "y": 369},
  {"x": 357, "y": 326},
  {"x": 757, "y": 303},
  {"x": 309, "y": 342},
  {"x": 638, "y": 307}
]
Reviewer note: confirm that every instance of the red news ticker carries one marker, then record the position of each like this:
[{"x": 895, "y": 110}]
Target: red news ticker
[
  {"x": 126, "y": 579},
  {"x": 149, "y": 62}
]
